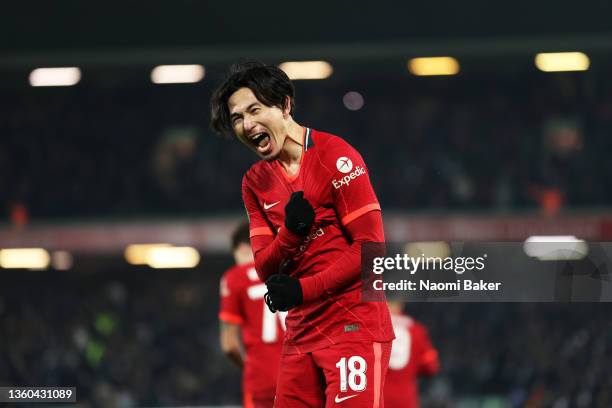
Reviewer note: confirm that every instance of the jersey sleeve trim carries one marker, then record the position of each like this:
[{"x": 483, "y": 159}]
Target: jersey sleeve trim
[
  {"x": 260, "y": 231},
  {"x": 359, "y": 212},
  {"x": 230, "y": 318}
]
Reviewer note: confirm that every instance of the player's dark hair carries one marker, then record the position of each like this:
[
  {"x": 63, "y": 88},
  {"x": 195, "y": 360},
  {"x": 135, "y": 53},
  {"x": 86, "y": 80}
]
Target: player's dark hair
[
  {"x": 241, "y": 235},
  {"x": 270, "y": 85}
]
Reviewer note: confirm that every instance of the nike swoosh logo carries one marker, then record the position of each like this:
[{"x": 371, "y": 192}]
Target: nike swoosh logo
[
  {"x": 338, "y": 400},
  {"x": 268, "y": 206}
]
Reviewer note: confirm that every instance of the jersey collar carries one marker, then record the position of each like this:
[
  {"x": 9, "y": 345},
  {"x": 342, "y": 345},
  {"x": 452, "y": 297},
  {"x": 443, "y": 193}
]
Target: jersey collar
[{"x": 308, "y": 139}]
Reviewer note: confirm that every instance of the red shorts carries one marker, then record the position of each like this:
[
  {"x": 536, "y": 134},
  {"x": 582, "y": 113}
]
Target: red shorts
[{"x": 346, "y": 375}]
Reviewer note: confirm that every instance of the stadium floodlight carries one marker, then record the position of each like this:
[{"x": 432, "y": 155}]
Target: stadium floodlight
[
  {"x": 24, "y": 258},
  {"x": 432, "y": 66},
  {"x": 562, "y": 61},
  {"x": 177, "y": 74},
  {"x": 555, "y": 247},
  {"x": 173, "y": 257},
  {"x": 136, "y": 254},
  {"x": 66, "y": 76},
  {"x": 307, "y": 69}
]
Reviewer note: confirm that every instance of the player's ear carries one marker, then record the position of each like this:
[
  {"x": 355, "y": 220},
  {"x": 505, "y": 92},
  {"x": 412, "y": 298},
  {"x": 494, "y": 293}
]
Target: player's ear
[{"x": 287, "y": 107}]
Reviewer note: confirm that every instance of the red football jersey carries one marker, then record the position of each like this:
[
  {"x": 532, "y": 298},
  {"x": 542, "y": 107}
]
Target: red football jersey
[
  {"x": 335, "y": 181},
  {"x": 411, "y": 355},
  {"x": 242, "y": 303}
]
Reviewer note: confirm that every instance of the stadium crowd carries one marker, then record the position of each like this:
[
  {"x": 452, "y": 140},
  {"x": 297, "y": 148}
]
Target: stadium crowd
[
  {"x": 134, "y": 338},
  {"x": 503, "y": 141}
]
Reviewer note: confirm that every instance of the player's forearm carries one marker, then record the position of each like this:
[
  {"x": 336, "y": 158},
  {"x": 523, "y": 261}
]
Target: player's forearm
[
  {"x": 347, "y": 269},
  {"x": 230, "y": 342},
  {"x": 236, "y": 357},
  {"x": 342, "y": 273},
  {"x": 270, "y": 252}
]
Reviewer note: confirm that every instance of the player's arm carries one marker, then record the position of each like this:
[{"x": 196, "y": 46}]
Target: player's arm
[
  {"x": 231, "y": 317},
  {"x": 347, "y": 269},
  {"x": 429, "y": 361},
  {"x": 359, "y": 212},
  {"x": 269, "y": 249},
  {"x": 286, "y": 292},
  {"x": 231, "y": 343}
]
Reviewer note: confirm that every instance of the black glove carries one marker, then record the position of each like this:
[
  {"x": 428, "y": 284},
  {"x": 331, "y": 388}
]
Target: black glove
[
  {"x": 299, "y": 214},
  {"x": 284, "y": 292}
]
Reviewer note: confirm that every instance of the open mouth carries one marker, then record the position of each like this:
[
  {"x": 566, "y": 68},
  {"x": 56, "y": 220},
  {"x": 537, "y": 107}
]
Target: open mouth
[{"x": 262, "y": 142}]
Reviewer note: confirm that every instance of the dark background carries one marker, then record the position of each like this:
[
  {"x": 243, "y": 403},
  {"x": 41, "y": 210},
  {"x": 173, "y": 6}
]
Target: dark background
[{"x": 115, "y": 151}]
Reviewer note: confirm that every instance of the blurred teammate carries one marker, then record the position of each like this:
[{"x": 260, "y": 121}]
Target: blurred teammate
[
  {"x": 243, "y": 311},
  {"x": 311, "y": 206},
  {"x": 412, "y": 355}
]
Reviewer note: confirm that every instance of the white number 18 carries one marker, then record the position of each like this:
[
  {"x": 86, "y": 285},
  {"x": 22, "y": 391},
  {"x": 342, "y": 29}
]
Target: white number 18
[{"x": 356, "y": 379}]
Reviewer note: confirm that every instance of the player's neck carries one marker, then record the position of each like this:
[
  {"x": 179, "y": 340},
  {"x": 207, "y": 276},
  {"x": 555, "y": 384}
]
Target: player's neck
[
  {"x": 243, "y": 254},
  {"x": 291, "y": 153}
]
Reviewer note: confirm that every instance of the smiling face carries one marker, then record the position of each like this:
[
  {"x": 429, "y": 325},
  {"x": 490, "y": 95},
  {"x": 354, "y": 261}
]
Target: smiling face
[{"x": 261, "y": 128}]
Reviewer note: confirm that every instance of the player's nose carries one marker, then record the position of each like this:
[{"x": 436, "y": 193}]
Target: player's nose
[{"x": 248, "y": 123}]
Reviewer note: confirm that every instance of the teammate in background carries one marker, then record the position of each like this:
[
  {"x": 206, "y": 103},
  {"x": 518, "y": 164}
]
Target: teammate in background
[
  {"x": 412, "y": 355},
  {"x": 311, "y": 206},
  {"x": 243, "y": 311}
]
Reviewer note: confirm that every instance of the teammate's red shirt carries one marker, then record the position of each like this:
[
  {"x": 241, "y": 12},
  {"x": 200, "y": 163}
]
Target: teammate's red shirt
[
  {"x": 335, "y": 181},
  {"x": 411, "y": 355},
  {"x": 262, "y": 333}
]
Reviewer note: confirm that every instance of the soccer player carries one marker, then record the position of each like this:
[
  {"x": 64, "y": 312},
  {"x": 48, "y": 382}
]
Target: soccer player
[
  {"x": 243, "y": 311},
  {"x": 311, "y": 206},
  {"x": 412, "y": 355}
]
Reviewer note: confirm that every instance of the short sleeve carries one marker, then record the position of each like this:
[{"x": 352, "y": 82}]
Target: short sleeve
[
  {"x": 230, "y": 310},
  {"x": 257, "y": 223},
  {"x": 352, "y": 191}
]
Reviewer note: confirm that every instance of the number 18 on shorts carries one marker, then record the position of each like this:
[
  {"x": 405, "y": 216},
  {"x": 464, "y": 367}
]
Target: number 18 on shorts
[{"x": 343, "y": 375}]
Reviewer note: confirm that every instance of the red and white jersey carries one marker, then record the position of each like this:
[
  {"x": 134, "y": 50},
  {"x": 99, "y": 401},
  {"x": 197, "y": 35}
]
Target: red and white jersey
[
  {"x": 411, "y": 355},
  {"x": 335, "y": 181},
  {"x": 242, "y": 303}
]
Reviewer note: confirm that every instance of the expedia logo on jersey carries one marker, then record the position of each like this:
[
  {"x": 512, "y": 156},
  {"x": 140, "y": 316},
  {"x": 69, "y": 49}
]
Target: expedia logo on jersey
[
  {"x": 311, "y": 237},
  {"x": 345, "y": 181}
]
